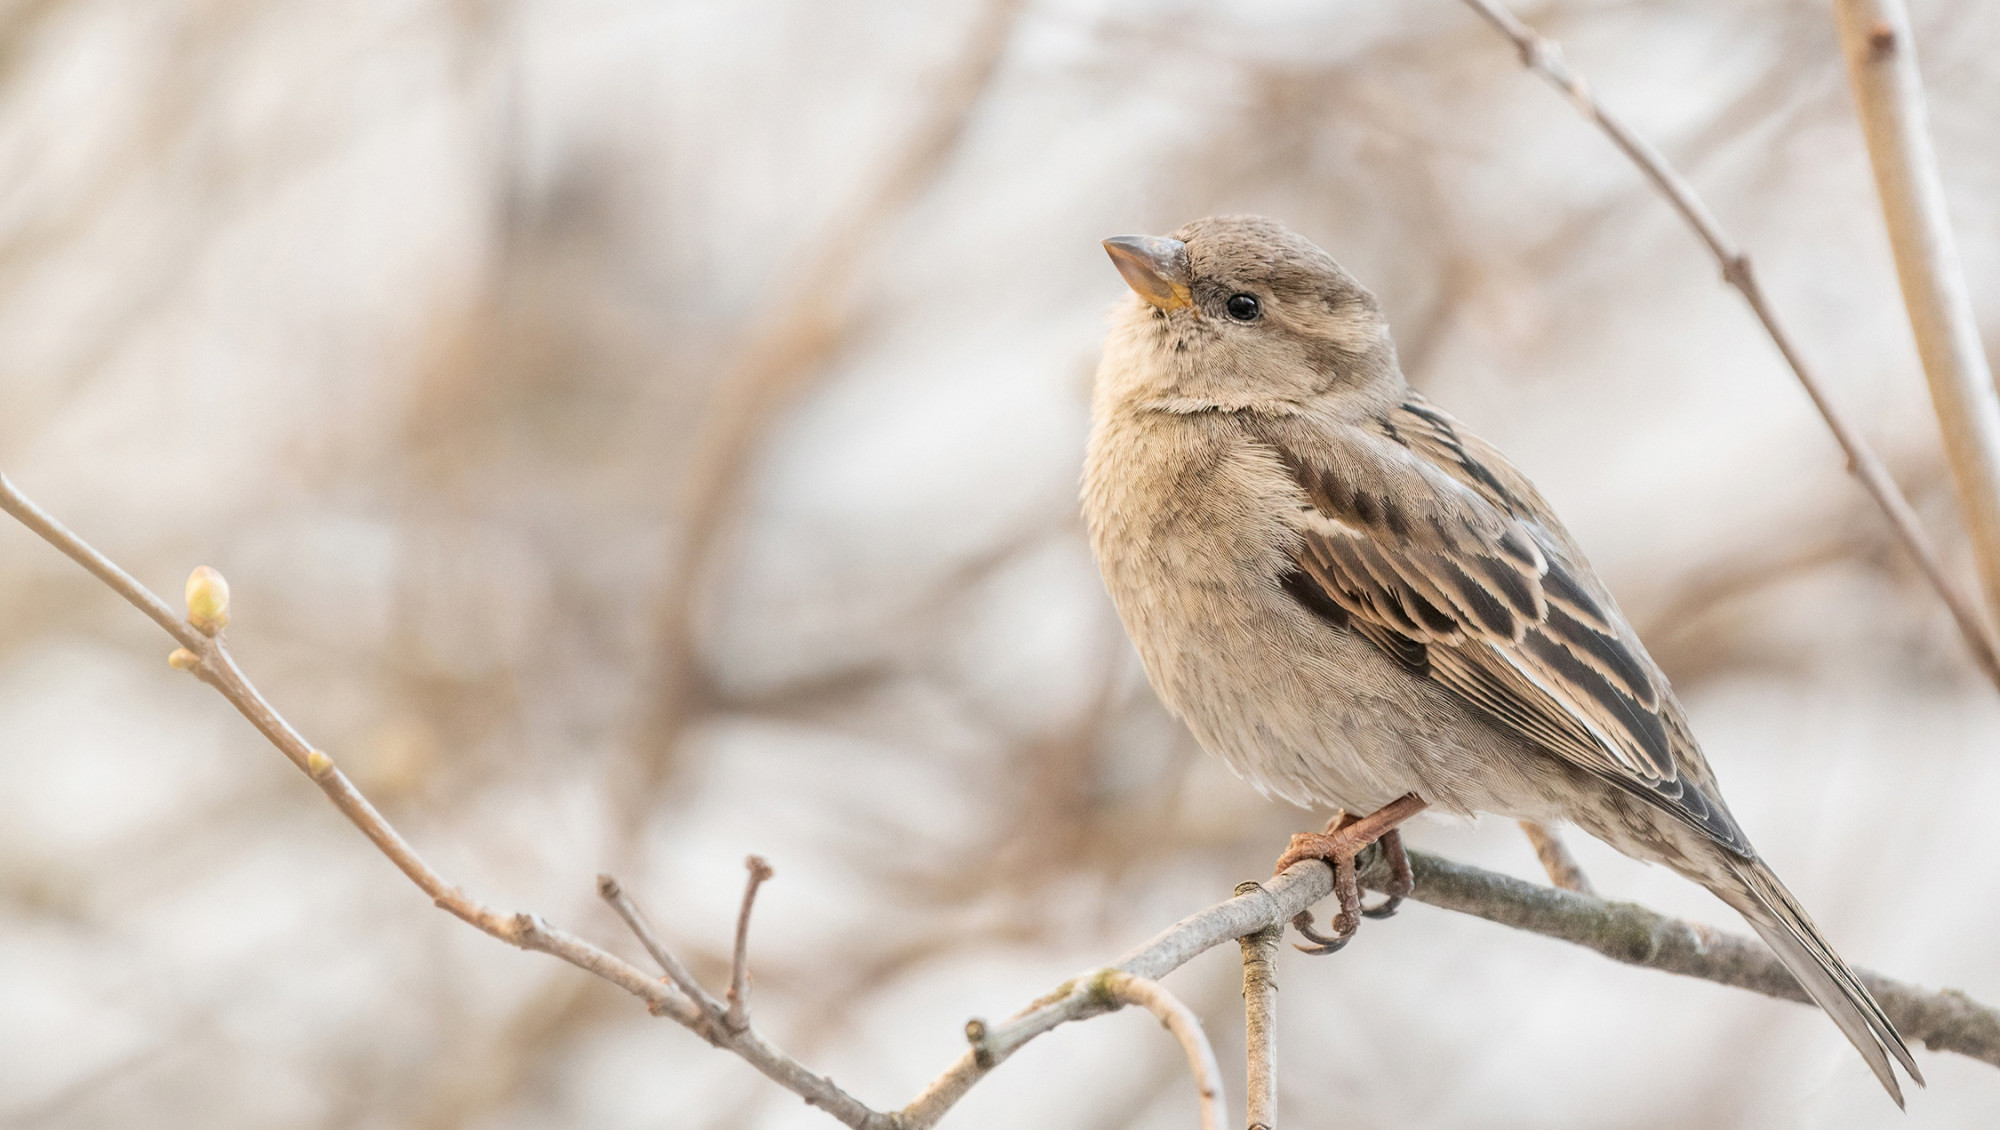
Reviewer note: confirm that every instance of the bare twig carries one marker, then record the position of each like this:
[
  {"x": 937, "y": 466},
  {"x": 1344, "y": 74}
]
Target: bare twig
[
  {"x": 813, "y": 320},
  {"x": 635, "y": 920},
  {"x": 1260, "y": 1022},
  {"x": 208, "y": 658},
  {"x": 96, "y": 564},
  {"x": 1544, "y": 57},
  {"x": 1123, "y": 988},
  {"x": 1563, "y": 869},
  {"x": 1881, "y": 52},
  {"x": 1946, "y": 1020},
  {"x": 738, "y": 1017}
]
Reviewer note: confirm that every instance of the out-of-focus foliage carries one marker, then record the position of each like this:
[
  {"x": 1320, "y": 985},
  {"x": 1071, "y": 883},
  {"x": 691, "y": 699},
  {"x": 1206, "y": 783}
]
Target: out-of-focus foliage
[{"x": 407, "y": 317}]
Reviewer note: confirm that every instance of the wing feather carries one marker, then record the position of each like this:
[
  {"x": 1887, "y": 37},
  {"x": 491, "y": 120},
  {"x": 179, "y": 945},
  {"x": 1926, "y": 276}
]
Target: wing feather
[{"x": 1464, "y": 579}]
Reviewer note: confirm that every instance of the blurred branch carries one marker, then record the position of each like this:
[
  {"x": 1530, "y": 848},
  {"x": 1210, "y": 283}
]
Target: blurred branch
[
  {"x": 1564, "y": 871},
  {"x": 1260, "y": 1022},
  {"x": 1544, "y": 57},
  {"x": 1945, "y": 1020},
  {"x": 802, "y": 338},
  {"x": 1888, "y": 89}
]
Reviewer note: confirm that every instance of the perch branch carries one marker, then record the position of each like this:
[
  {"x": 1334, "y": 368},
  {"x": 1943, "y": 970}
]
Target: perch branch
[
  {"x": 1260, "y": 1022},
  {"x": 1881, "y": 56},
  {"x": 1947, "y": 1020},
  {"x": 1545, "y": 58}
]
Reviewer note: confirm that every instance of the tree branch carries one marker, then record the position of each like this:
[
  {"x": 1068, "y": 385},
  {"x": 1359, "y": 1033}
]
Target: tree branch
[
  {"x": 1948, "y": 1020},
  {"x": 1544, "y": 57},
  {"x": 1945, "y": 1020},
  {"x": 1260, "y": 1022},
  {"x": 1881, "y": 53}
]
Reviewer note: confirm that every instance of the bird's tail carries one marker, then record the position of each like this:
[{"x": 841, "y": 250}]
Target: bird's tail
[{"x": 1785, "y": 927}]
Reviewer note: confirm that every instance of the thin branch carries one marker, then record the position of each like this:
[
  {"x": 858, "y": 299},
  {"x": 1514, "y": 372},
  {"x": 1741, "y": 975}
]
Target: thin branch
[
  {"x": 635, "y": 920},
  {"x": 1881, "y": 52},
  {"x": 1124, "y": 988},
  {"x": 1564, "y": 871},
  {"x": 1544, "y": 57},
  {"x": 1270, "y": 904},
  {"x": 1260, "y": 1022},
  {"x": 738, "y": 1017},
  {"x": 213, "y": 664},
  {"x": 1947, "y": 1020},
  {"x": 76, "y": 549}
]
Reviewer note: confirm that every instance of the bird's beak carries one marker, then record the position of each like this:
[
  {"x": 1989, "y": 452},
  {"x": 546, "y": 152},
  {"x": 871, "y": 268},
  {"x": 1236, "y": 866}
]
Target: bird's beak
[{"x": 1156, "y": 268}]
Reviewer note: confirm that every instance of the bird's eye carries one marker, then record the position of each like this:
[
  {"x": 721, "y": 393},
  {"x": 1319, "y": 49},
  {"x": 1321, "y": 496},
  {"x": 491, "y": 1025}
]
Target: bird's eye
[{"x": 1243, "y": 307}]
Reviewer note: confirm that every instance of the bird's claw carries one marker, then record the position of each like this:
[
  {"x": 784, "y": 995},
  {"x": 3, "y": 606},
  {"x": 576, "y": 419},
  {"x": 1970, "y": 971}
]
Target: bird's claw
[
  {"x": 1346, "y": 884},
  {"x": 1322, "y": 943},
  {"x": 1384, "y": 909}
]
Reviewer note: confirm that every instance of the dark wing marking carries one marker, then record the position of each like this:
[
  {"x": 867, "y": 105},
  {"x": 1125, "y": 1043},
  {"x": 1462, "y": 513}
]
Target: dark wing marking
[
  {"x": 1429, "y": 432},
  {"x": 1474, "y": 595}
]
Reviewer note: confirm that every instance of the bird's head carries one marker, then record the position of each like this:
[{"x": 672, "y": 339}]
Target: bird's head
[{"x": 1237, "y": 311}]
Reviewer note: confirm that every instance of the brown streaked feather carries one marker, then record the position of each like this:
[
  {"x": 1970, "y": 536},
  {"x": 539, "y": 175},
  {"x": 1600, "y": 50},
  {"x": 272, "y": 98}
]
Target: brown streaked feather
[{"x": 1484, "y": 594}]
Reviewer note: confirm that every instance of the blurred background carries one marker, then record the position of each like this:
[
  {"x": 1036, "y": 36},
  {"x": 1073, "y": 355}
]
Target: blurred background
[{"x": 644, "y": 433}]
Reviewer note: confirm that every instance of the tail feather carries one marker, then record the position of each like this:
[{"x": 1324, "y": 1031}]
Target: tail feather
[{"x": 1830, "y": 982}]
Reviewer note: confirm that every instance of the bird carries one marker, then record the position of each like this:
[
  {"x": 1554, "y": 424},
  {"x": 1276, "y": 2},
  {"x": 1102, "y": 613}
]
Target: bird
[{"x": 1355, "y": 602}]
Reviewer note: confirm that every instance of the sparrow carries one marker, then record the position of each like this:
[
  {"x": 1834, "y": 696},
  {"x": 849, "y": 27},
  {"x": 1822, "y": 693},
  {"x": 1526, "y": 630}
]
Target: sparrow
[{"x": 1355, "y": 602}]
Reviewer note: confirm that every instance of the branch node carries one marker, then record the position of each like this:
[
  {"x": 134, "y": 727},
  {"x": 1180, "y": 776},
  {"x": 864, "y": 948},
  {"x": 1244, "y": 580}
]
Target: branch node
[
  {"x": 523, "y": 930},
  {"x": 318, "y": 765},
  {"x": 1102, "y": 987},
  {"x": 977, "y": 1033},
  {"x": 1881, "y": 42},
  {"x": 1736, "y": 271}
]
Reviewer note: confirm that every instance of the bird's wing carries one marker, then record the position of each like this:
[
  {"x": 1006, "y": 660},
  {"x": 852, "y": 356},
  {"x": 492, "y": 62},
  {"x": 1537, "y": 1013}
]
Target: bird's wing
[{"x": 1425, "y": 542}]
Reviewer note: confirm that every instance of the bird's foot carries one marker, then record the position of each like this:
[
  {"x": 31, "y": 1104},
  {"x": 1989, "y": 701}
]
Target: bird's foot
[
  {"x": 1343, "y": 839},
  {"x": 1401, "y": 880}
]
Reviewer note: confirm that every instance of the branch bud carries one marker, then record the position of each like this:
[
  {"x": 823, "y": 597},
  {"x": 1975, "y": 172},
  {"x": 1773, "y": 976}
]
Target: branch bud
[
  {"x": 181, "y": 659},
  {"x": 207, "y": 600},
  {"x": 318, "y": 764}
]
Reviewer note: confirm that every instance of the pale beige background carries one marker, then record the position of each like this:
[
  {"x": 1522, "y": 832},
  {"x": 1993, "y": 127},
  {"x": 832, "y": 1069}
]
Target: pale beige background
[{"x": 406, "y": 315}]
